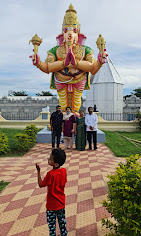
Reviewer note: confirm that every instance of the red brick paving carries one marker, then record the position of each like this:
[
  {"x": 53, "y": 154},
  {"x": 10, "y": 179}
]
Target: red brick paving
[
  {"x": 16, "y": 204},
  {"x": 83, "y": 209}
]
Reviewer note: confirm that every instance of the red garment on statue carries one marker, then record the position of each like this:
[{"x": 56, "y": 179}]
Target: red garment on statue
[{"x": 55, "y": 180}]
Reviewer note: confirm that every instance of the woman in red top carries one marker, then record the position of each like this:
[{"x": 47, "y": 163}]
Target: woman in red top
[
  {"x": 55, "y": 180},
  {"x": 68, "y": 128}
]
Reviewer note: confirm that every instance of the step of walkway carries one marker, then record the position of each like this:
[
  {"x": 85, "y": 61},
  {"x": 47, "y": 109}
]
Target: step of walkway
[{"x": 22, "y": 202}]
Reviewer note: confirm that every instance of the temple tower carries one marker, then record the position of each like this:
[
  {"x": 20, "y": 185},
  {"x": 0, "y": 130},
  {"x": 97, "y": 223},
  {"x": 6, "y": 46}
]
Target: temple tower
[{"x": 106, "y": 90}]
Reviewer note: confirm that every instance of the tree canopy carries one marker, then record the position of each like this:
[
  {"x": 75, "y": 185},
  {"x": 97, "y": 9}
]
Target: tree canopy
[
  {"x": 19, "y": 93},
  {"x": 44, "y": 93},
  {"x": 127, "y": 96},
  {"x": 136, "y": 92}
]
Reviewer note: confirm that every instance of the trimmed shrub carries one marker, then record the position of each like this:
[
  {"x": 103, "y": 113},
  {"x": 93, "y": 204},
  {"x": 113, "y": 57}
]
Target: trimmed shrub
[
  {"x": 31, "y": 131},
  {"x": 23, "y": 142},
  {"x": 3, "y": 143},
  {"x": 124, "y": 198}
]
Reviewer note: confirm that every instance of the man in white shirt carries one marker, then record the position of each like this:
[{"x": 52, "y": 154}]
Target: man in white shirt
[{"x": 91, "y": 121}]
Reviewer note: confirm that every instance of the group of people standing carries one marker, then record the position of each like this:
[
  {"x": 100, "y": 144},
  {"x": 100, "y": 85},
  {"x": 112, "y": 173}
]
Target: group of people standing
[{"x": 84, "y": 127}]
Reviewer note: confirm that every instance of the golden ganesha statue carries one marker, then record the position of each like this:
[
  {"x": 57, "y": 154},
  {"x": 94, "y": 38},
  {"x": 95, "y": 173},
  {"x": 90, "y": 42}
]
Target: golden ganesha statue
[{"x": 70, "y": 62}]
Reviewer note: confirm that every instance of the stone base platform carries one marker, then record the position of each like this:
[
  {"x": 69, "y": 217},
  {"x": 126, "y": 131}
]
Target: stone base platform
[{"x": 44, "y": 136}]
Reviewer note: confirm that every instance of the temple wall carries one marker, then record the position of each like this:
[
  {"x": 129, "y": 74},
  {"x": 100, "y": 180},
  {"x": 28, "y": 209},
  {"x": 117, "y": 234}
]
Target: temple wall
[{"x": 26, "y": 108}]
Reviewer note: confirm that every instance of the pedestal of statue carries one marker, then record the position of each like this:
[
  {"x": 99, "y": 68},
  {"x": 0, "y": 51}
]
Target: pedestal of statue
[{"x": 44, "y": 136}]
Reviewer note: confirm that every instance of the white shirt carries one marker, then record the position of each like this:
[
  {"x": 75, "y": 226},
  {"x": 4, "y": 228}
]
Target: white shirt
[{"x": 91, "y": 120}]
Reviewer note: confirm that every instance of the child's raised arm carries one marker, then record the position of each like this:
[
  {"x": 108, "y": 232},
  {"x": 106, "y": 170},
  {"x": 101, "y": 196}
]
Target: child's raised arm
[{"x": 39, "y": 175}]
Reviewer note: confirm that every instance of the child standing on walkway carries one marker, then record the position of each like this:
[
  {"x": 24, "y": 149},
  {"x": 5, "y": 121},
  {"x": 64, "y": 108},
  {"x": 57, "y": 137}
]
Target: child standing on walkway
[{"x": 55, "y": 180}]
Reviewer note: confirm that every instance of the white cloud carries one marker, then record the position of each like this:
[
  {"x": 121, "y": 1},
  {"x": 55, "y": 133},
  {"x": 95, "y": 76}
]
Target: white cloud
[{"x": 131, "y": 76}]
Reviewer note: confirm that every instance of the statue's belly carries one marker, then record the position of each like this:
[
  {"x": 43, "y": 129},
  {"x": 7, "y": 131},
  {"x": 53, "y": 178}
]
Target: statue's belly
[{"x": 68, "y": 79}]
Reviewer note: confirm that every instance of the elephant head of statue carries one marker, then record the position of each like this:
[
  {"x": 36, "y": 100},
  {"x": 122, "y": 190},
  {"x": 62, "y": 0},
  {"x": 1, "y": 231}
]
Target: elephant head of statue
[{"x": 70, "y": 29}]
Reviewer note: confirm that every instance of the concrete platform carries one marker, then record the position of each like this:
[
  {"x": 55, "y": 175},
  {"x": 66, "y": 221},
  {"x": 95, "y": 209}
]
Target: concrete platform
[
  {"x": 44, "y": 136},
  {"x": 100, "y": 136}
]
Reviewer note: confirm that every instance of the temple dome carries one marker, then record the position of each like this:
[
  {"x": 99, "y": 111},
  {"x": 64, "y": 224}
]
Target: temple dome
[{"x": 107, "y": 74}]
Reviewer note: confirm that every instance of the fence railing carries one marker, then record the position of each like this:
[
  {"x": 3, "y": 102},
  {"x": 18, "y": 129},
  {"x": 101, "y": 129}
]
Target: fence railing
[
  {"x": 34, "y": 115},
  {"x": 20, "y": 115},
  {"x": 118, "y": 116}
]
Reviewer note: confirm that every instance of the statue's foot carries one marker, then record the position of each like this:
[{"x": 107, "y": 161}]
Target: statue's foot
[{"x": 76, "y": 114}]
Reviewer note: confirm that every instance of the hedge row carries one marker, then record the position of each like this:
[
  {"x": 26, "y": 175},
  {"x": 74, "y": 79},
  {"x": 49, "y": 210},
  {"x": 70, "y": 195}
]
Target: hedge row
[
  {"x": 23, "y": 141},
  {"x": 124, "y": 199}
]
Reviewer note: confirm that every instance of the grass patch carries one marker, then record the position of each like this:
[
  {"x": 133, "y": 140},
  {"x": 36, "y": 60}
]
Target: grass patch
[
  {"x": 3, "y": 185},
  {"x": 120, "y": 146},
  {"x": 10, "y": 133},
  {"x": 133, "y": 135}
]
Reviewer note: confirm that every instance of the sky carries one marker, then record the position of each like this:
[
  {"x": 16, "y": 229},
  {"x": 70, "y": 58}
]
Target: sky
[{"x": 117, "y": 20}]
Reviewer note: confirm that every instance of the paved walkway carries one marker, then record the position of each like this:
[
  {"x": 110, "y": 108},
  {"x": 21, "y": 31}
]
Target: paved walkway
[{"x": 22, "y": 203}]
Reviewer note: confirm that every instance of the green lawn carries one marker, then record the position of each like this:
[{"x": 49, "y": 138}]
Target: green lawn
[
  {"x": 11, "y": 141},
  {"x": 3, "y": 185},
  {"x": 120, "y": 146},
  {"x": 133, "y": 135}
]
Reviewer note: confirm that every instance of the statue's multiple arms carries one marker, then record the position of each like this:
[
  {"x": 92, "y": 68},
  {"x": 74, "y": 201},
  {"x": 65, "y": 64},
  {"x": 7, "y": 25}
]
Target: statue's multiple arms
[
  {"x": 50, "y": 65},
  {"x": 90, "y": 64},
  {"x": 54, "y": 65}
]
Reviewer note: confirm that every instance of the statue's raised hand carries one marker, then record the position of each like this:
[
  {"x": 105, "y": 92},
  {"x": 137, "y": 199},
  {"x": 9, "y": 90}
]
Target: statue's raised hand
[
  {"x": 37, "y": 59},
  {"x": 105, "y": 54}
]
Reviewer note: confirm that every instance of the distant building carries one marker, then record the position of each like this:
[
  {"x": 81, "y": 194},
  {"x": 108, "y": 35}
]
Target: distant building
[
  {"x": 106, "y": 90},
  {"x": 27, "y": 108},
  {"x": 132, "y": 104}
]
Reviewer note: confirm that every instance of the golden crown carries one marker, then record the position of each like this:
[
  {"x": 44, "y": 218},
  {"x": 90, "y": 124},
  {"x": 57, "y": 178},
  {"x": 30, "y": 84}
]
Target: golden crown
[{"x": 70, "y": 18}]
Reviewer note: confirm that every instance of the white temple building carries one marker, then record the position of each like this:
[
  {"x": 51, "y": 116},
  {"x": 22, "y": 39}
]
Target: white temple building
[{"x": 106, "y": 90}]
